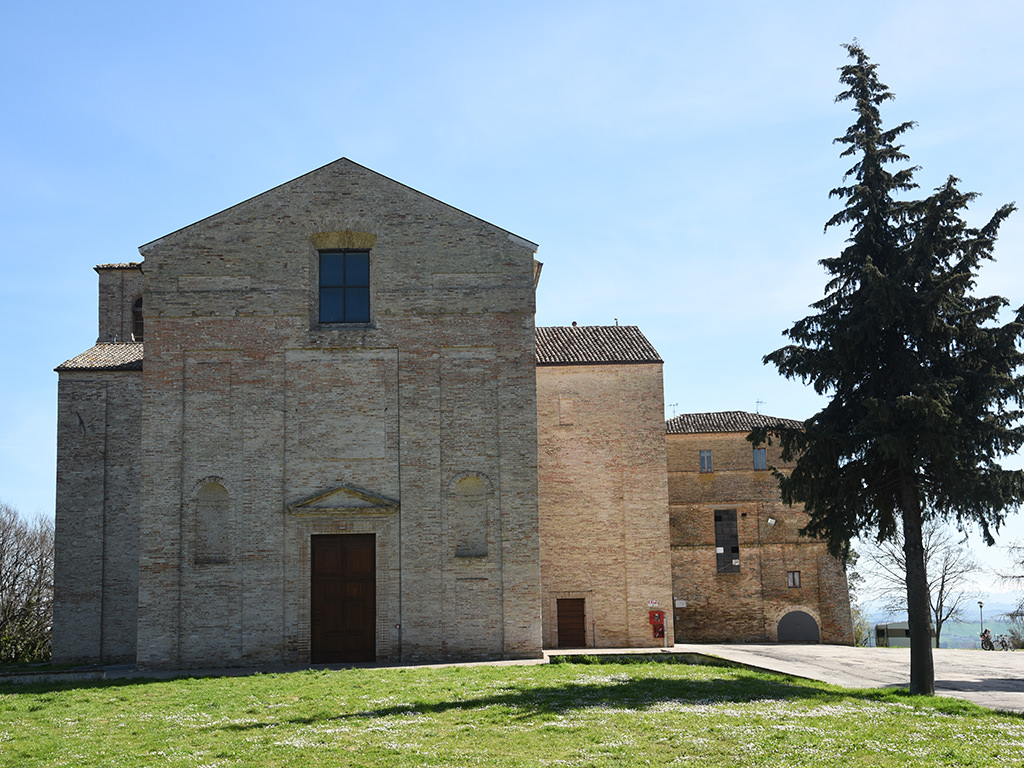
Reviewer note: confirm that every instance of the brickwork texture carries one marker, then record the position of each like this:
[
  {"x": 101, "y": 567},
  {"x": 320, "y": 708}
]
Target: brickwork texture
[
  {"x": 746, "y": 605},
  {"x": 190, "y": 484},
  {"x": 248, "y": 408},
  {"x": 604, "y": 500}
]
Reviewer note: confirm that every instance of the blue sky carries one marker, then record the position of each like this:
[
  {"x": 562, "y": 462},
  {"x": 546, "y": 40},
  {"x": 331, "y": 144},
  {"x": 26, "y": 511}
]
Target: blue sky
[{"x": 673, "y": 160}]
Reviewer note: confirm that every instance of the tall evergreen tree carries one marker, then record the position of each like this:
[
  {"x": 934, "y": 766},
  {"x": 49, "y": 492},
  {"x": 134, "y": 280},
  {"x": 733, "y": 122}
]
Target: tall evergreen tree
[{"x": 925, "y": 382}]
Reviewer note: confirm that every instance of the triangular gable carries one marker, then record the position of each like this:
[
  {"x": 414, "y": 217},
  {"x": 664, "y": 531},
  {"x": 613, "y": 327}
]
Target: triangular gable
[
  {"x": 344, "y": 500},
  {"x": 342, "y": 172}
]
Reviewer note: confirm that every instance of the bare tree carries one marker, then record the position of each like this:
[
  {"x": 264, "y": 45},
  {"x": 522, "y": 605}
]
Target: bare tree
[
  {"x": 1015, "y": 618},
  {"x": 863, "y": 632},
  {"x": 949, "y": 566},
  {"x": 26, "y": 586}
]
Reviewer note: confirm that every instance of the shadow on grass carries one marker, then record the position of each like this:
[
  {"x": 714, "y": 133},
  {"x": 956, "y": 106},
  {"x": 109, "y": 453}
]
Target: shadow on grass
[
  {"x": 1002, "y": 685},
  {"x": 634, "y": 693}
]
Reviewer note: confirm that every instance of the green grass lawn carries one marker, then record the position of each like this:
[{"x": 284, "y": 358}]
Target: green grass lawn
[{"x": 559, "y": 714}]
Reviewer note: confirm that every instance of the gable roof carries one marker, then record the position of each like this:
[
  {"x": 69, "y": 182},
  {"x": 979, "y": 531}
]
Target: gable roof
[
  {"x": 725, "y": 421},
  {"x": 593, "y": 345},
  {"x": 339, "y": 168},
  {"x": 112, "y": 356}
]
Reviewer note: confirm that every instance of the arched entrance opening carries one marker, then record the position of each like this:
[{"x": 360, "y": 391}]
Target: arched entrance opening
[{"x": 798, "y": 627}]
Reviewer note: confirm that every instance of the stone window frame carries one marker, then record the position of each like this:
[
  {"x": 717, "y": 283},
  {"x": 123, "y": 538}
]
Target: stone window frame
[{"x": 793, "y": 579}]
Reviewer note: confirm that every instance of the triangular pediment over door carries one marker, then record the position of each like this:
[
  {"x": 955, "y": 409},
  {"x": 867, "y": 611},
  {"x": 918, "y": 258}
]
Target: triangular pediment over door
[{"x": 344, "y": 500}]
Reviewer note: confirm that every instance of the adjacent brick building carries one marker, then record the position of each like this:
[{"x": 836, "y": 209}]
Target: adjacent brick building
[
  {"x": 309, "y": 432},
  {"x": 603, "y": 488},
  {"x": 740, "y": 570}
]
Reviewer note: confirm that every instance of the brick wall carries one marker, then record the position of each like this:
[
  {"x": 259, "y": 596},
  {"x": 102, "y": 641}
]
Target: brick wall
[
  {"x": 745, "y": 606},
  {"x": 603, "y": 499},
  {"x": 187, "y": 494},
  {"x": 243, "y": 387},
  {"x": 97, "y": 509},
  {"x": 119, "y": 287}
]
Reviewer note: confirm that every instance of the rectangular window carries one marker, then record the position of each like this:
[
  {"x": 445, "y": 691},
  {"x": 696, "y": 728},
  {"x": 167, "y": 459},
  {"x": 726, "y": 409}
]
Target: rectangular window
[
  {"x": 760, "y": 458},
  {"x": 344, "y": 286},
  {"x": 793, "y": 579},
  {"x": 705, "y": 461},
  {"x": 727, "y": 541}
]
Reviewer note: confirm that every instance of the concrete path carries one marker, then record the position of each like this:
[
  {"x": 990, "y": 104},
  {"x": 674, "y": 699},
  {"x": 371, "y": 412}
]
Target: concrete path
[{"x": 993, "y": 679}]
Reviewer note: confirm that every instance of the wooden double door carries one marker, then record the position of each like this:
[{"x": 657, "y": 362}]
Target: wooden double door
[{"x": 343, "y": 598}]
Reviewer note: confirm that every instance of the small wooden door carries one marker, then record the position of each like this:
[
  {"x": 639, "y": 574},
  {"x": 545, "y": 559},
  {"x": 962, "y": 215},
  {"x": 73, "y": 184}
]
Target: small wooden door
[
  {"x": 572, "y": 625},
  {"x": 343, "y": 599}
]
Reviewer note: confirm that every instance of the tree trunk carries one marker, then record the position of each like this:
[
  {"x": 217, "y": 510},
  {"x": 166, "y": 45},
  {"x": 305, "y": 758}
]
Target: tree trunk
[{"x": 922, "y": 668}]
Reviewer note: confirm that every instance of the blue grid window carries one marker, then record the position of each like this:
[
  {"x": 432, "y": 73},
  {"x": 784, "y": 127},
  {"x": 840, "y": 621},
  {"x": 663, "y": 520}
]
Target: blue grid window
[{"x": 344, "y": 286}]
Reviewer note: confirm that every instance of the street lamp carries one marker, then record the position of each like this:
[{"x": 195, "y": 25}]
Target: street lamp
[{"x": 981, "y": 615}]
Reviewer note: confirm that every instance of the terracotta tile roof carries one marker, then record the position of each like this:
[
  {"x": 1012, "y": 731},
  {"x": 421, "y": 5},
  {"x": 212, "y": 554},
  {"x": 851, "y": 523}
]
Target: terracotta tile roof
[
  {"x": 593, "y": 345},
  {"x": 724, "y": 421},
  {"x": 117, "y": 356},
  {"x": 122, "y": 265}
]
